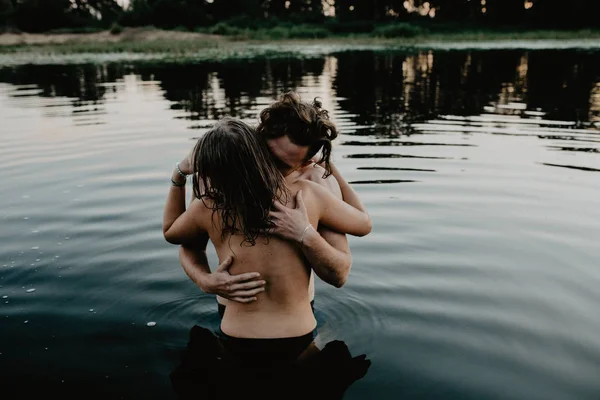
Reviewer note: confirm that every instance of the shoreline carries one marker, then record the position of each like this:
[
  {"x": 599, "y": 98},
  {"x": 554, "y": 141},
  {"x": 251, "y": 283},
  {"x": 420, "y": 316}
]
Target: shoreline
[{"x": 160, "y": 45}]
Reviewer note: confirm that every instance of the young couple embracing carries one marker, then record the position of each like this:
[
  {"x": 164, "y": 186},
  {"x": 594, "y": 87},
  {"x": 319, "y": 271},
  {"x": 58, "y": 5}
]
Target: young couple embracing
[{"x": 276, "y": 209}]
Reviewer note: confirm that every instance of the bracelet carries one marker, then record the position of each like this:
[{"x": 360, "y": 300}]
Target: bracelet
[
  {"x": 304, "y": 233},
  {"x": 179, "y": 171},
  {"x": 177, "y": 184}
]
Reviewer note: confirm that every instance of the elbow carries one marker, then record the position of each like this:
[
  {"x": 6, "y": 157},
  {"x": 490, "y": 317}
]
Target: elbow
[
  {"x": 366, "y": 228},
  {"x": 341, "y": 277},
  {"x": 340, "y": 281},
  {"x": 169, "y": 237},
  {"x": 336, "y": 279}
]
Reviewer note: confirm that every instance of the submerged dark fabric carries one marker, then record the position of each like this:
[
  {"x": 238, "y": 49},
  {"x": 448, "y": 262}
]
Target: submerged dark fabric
[
  {"x": 222, "y": 308},
  {"x": 213, "y": 369},
  {"x": 265, "y": 352}
]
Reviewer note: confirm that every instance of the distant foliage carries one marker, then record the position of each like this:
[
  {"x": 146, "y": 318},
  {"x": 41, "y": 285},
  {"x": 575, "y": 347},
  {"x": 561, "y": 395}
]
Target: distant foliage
[
  {"x": 116, "y": 29},
  {"x": 399, "y": 30},
  {"x": 300, "y": 18},
  {"x": 82, "y": 29},
  {"x": 308, "y": 32},
  {"x": 223, "y": 28},
  {"x": 336, "y": 26}
]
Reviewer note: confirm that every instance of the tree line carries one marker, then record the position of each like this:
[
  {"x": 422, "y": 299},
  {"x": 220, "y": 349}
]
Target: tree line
[{"x": 44, "y": 15}]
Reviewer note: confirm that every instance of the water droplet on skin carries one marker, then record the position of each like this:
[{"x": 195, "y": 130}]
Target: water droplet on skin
[
  {"x": 5, "y": 297},
  {"x": 151, "y": 324},
  {"x": 30, "y": 290},
  {"x": 36, "y": 231},
  {"x": 25, "y": 217},
  {"x": 26, "y": 322},
  {"x": 37, "y": 259},
  {"x": 91, "y": 310},
  {"x": 35, "y": 248},
  {"x": 67, "y": 238}
]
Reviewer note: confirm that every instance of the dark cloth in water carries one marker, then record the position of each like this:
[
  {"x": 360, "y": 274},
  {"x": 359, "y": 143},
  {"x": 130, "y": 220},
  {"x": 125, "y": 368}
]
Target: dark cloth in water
[
  {"x": 222, "y": 308},
  {"x": 230, "y": 368},
  {"x": 264, "y": 352}
]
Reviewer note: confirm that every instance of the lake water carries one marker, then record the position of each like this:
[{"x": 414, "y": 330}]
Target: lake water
[{"x": 480, "y": 170}]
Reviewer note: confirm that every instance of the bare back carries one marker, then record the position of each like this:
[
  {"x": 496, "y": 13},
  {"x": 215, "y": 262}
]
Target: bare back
[{"x": 283, "y": 309}]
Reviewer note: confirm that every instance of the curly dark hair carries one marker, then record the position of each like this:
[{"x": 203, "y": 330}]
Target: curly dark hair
[
  {"x": 305, "y": 124},
  {"x": 234, "y": 169}
]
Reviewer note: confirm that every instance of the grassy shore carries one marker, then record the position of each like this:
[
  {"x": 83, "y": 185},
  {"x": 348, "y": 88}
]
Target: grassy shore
[{"x": 152, "y": 41}]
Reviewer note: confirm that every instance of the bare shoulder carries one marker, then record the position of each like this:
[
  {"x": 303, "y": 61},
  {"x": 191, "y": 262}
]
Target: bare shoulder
[
  {"x": 201, "y": 211},
  {"x": 309, "y": 188},
  {"x": 315, "y": 173}
]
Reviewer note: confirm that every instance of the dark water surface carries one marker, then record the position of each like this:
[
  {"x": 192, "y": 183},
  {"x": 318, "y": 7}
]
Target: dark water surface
[{"x": 480, "y": 170}]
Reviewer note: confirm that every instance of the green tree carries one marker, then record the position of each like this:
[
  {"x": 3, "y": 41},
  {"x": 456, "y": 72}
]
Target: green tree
[
  {"x": 226, "y": 9},
  {"x": 107, "y": 10},
  {"x": 7, "y": 12},
  {"x": 166, "y": 13},
  {"x": 456, "y": 10},
  {"x": 505, "y": 12},
  {"x": 43, "y": 15},
  {"x": 561, "y": 14},
  {"x": 139, "y": 13}
]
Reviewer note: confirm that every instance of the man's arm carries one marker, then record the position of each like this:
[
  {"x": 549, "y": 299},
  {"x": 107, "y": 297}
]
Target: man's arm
[
  {"x": 329, "y": 263},
  {"x": 195, "y": 263},
  {"x": 241, "y": 288},
  {"x": 331, "y": 260},
  {"x": 329, "y": 256},
  {"x": 348, "y": 194},
  {"x": 327, "y": 251}
]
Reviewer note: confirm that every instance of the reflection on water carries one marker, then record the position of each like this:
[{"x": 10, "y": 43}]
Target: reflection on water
[
  {"x": 259, "y": 368},
  {"x": 479, "y": 169},
  {"x": 573, "y": 167},
  {"x": 393, "y": 89}
]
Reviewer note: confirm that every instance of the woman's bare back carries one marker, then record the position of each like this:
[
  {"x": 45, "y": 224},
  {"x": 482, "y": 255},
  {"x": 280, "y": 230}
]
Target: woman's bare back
[{"x": 283, "y": 309}]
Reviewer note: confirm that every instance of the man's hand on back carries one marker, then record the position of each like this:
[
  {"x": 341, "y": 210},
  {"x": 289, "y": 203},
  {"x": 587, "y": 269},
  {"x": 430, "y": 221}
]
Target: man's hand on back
[{"x": 240, "y": 288}]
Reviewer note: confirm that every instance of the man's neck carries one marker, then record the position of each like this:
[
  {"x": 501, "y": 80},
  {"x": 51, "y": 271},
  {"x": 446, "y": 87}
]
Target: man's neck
[{"x": 287, "y": 172}]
